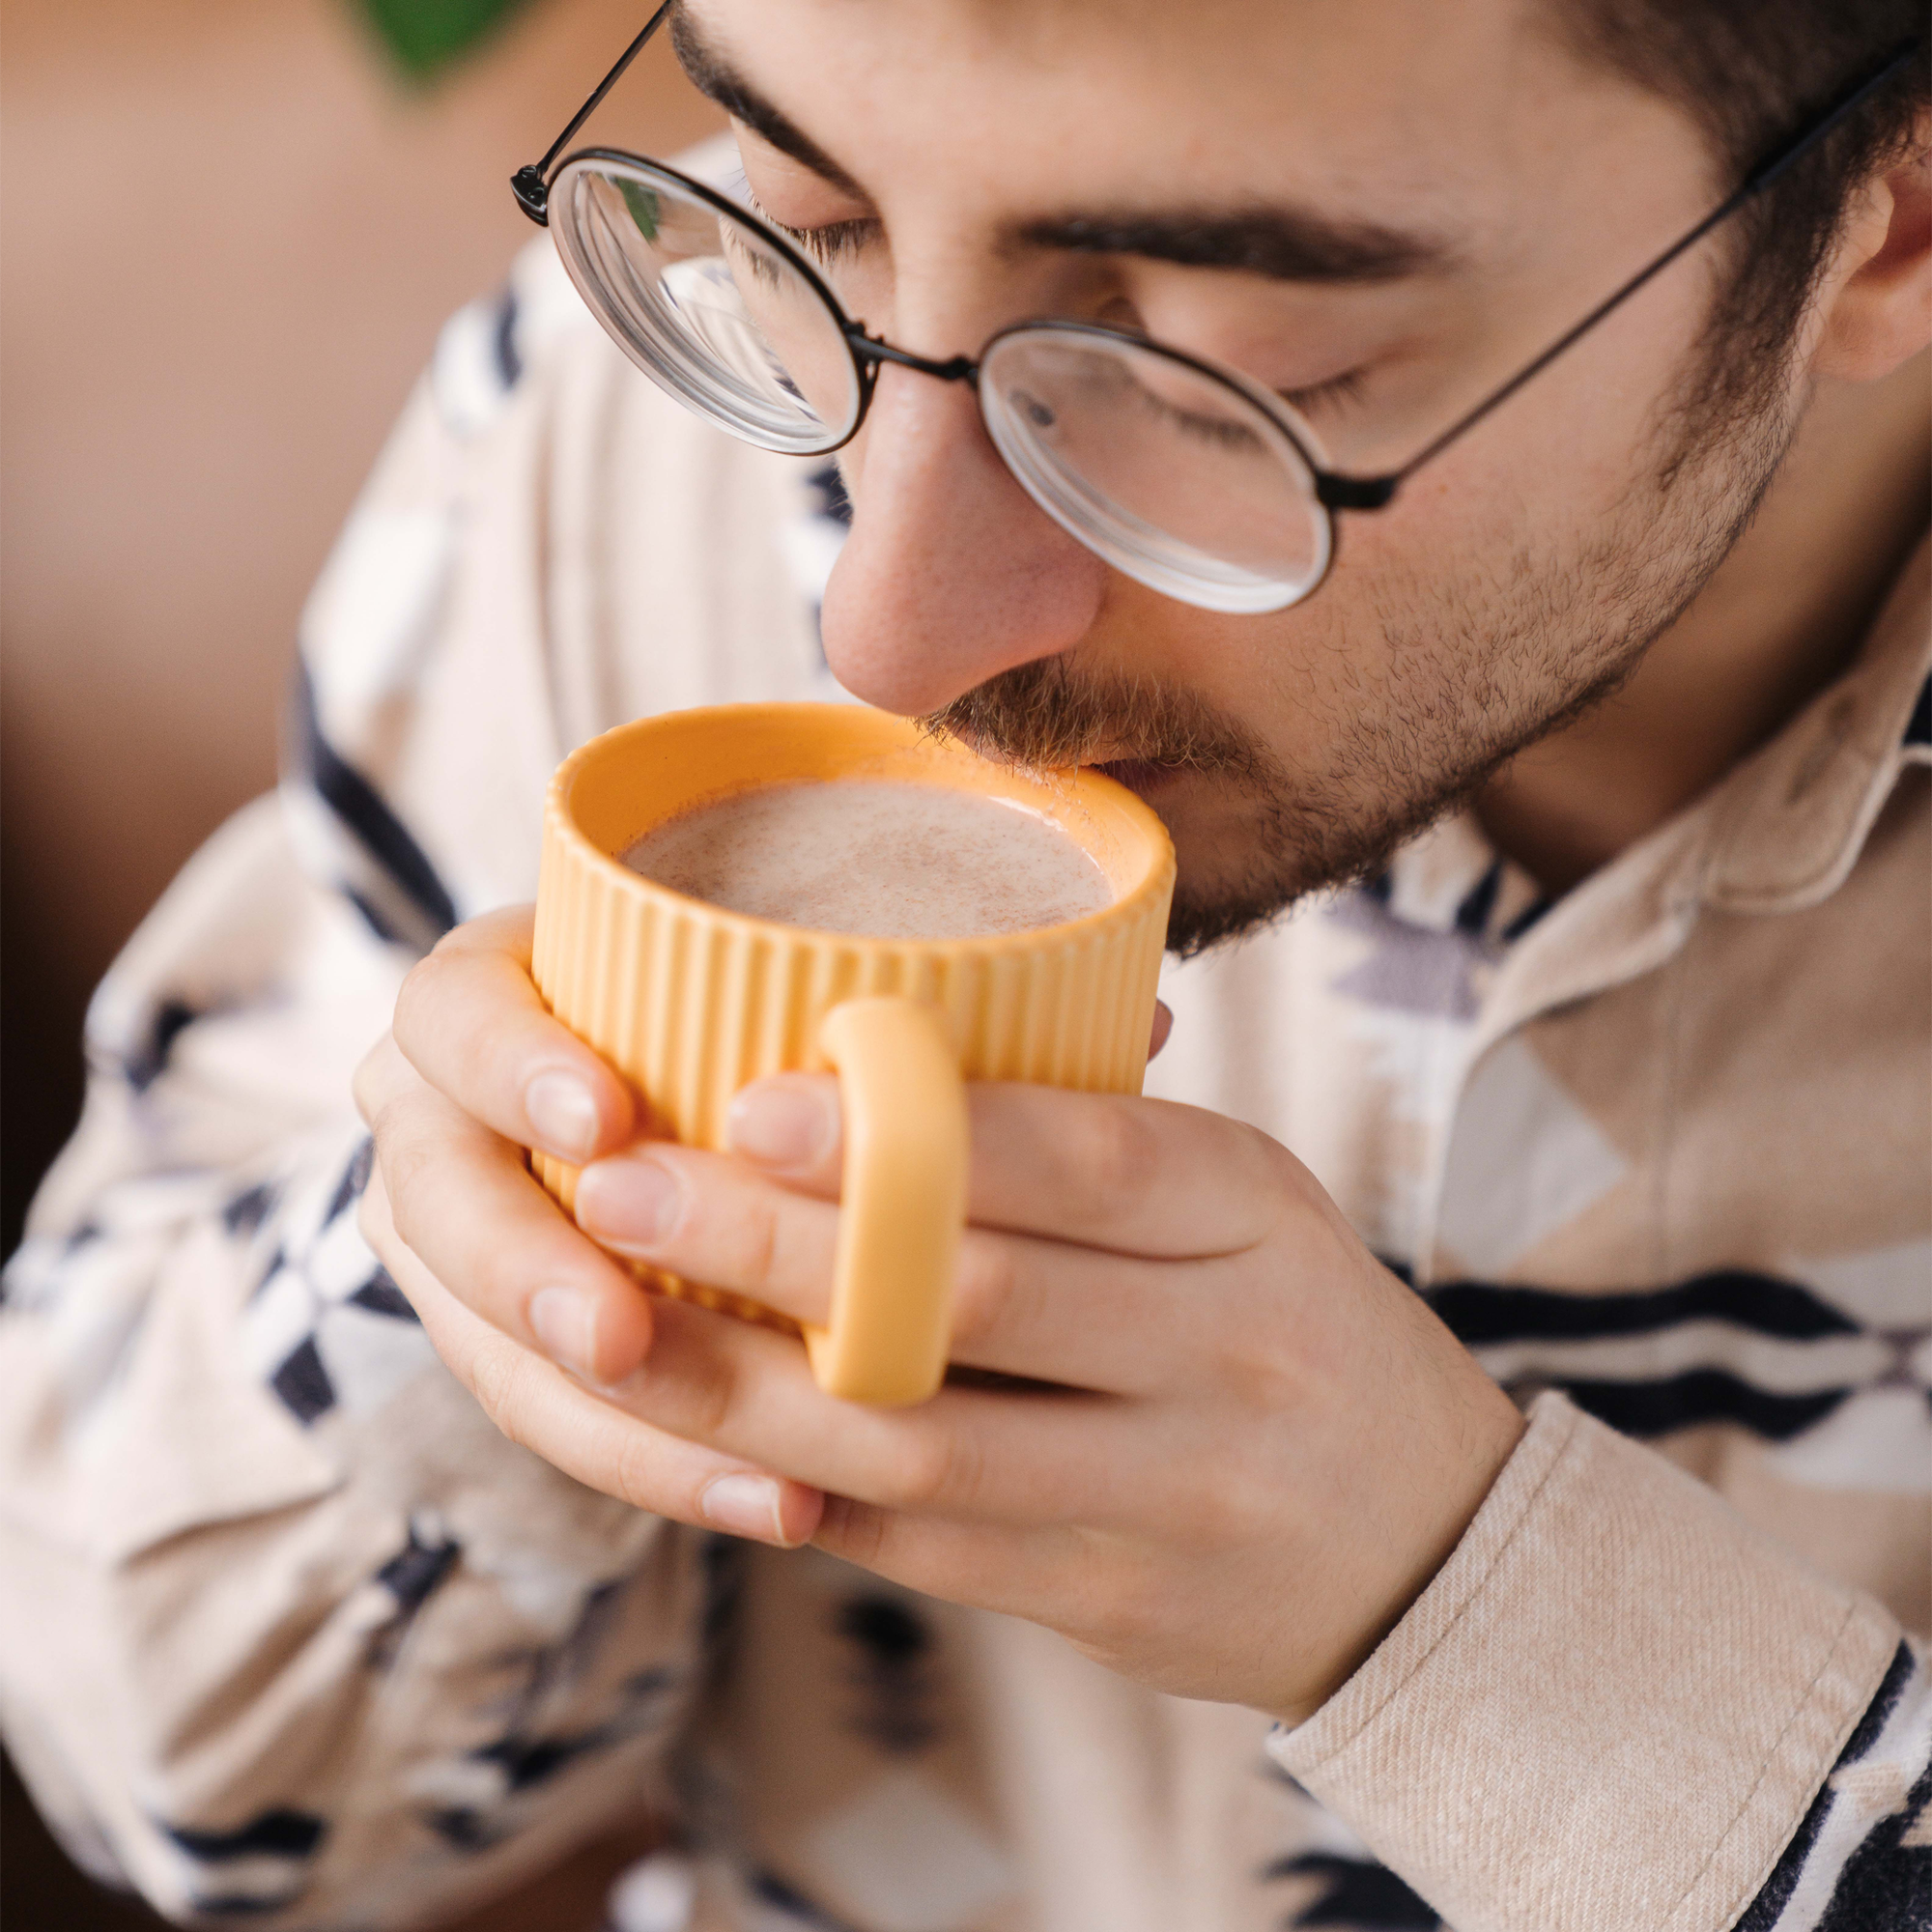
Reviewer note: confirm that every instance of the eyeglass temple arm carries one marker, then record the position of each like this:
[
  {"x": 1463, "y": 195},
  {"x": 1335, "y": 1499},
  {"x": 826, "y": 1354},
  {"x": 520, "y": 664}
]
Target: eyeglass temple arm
[
  {"x": 531, "y": 185},
  {"x": 1371, "y": 493}
]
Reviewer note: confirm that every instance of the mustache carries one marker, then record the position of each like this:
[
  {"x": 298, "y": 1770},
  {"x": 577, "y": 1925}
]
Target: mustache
[{"x": 1045, "y": 715}]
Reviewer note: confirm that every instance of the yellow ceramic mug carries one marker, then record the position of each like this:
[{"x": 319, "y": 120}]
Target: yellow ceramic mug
[{"x": 690, "y": 1002}]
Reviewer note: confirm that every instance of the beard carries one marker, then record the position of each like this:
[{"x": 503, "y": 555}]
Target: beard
[
  {"x": 1475, "y": 670},
  {"x": 1289, "y": 835}
]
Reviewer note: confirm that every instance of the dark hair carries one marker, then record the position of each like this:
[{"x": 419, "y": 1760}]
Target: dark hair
[{"x": 1748, "y": 71}]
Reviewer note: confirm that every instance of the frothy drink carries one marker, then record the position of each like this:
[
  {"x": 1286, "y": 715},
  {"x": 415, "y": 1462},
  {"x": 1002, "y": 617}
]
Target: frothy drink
[{"x": 876, "y": 857}]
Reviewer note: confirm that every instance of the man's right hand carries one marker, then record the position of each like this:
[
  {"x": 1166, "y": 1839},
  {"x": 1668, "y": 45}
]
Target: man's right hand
[{"x": 523, "y": 1308}]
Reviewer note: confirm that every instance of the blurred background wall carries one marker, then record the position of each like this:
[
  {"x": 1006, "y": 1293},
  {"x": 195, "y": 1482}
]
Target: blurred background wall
[{"x": 230, "y": 231}]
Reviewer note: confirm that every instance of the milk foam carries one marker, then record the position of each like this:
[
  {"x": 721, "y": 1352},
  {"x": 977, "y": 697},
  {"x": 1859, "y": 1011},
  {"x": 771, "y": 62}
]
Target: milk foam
[{"x": 878, "y": 858}]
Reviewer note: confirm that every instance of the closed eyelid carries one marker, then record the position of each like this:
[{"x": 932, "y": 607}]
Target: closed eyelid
[
  {"x": 830, "y": 217},
  {"x": 1331, "y": 392},
  {"x": 826, "y": 239}
]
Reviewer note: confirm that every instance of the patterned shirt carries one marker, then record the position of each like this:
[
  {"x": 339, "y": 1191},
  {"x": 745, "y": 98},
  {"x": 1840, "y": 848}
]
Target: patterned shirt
[{"x": 289, "y": 1635}]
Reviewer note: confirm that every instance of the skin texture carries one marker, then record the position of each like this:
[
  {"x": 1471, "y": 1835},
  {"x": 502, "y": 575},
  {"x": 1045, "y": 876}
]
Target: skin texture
[{"x": 1211, "y": 1498}]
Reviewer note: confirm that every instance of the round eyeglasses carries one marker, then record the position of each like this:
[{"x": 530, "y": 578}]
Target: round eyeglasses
[
  {"x": 1184, "y": 475},
  {"x": 1187, "y": 478}
]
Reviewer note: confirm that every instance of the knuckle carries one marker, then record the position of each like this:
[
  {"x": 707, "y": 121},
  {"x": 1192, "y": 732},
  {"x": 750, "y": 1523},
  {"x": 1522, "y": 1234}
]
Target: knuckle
[
  {"x": 424, "y": 1000},
  {"x": 988, "y": 1295},
  {"x": 708, "y": 1394},
  {"x": 482, "y": 1260},
  {"x": 387, "y": 1095},
  {"x": 418, "y": 990},
  {"x": 751, "y": 1230},
  {"x": 1121, "y": 1155},
  {"x": 409, "y": 1162},
  {"x": 856, "y": 1530},
  {"x": 1240, "y": 1504},
  {"x": 1115, "y": 1596},
  {"x": 639, "y": 1480},
  {"x": 1253, "y": 1379},
  {"x": 498, "y": 1379},
  {"x": 1275, "y": 1173},
  {"x": 936, "y": 1465},
  {"x": 1125, "y": 1619}
]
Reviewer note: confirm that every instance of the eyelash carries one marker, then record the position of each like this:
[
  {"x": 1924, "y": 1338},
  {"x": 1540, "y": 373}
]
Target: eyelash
[
  {"x": 826, "y": 244},
  {"x": 835, "y": 239},
  {"x": 1344, "y": 389}
]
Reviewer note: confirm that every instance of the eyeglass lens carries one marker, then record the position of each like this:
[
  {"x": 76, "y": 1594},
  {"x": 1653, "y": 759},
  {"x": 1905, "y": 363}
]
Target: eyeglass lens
[
  {"x": 1171, "y": 474},
  {"x": 703, "y": 302}
]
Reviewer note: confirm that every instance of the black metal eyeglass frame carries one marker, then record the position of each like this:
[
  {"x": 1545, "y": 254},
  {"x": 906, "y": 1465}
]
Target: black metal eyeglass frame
[{"x": 1333, "y": 490}]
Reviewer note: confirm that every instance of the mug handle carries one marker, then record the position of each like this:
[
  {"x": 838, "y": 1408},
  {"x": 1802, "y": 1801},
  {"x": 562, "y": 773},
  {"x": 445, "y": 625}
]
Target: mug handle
[{"x": 903, "y": 1202}]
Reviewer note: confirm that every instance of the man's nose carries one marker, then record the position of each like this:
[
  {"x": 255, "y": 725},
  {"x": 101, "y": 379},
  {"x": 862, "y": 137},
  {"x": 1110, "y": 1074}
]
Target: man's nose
[{"x": 951, "y": 573}]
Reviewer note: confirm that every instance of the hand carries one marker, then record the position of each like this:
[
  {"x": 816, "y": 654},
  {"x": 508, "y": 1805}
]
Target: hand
[
  {"x": 1241, "y": 1448},
  {"x": 521, "y": 1306}
]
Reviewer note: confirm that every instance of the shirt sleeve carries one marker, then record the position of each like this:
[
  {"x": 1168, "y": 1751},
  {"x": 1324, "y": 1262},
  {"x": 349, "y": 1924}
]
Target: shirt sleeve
[
  {"x": 1619, "y": 1704},
  {"x": 287, "y": 1630}
]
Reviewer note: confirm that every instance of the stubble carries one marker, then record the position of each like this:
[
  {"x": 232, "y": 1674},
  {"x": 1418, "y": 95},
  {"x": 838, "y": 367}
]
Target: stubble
[{"x": 1477, "y": 671}]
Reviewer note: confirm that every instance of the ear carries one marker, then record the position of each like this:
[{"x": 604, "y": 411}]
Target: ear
[{"x": 1877, "y": 305}]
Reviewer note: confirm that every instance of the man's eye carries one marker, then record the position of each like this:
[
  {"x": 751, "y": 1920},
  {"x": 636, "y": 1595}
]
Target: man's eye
[
  {"x": 834, "y": 241},
  {"x": 1346, "y": 387}
]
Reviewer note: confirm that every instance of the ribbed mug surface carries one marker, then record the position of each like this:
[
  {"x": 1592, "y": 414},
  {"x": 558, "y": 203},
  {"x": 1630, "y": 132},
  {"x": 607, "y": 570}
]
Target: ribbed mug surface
[{"x": 690, "y": 1002}]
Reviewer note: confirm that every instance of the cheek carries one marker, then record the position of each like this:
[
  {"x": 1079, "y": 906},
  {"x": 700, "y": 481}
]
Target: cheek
[
  {"x": 1581, "y": 444},
  {"x": 1537, "y": 506}
]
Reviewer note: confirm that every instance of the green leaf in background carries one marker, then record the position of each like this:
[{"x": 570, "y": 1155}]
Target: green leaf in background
[
  {"x": 644, "y": 206},
  {"x": 425, "y": 35}
]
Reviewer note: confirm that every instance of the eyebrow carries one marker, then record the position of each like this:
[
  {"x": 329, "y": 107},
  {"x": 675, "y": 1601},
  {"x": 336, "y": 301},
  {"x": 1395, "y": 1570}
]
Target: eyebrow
[
  {"x": 712, "y": 76},
  {"x": 1284, "y": 243},
  {"x": 1281, "y": 243}
]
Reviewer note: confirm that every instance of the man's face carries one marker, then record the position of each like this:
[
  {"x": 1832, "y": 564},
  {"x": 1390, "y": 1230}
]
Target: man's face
[{"x": 1442, "y": 190}]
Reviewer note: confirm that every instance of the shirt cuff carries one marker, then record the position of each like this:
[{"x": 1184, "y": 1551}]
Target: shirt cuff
[{"x": 1611, "y": 1707}]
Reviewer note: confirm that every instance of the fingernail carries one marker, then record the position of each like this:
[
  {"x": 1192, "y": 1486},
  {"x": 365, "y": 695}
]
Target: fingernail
[
  {"x": 1163, "y": 1025},
  {"x": 627, "y": 1203},
  {"x": 565, "y": 1325},
  {"x": 746, "y": 1506},
  {"x": 562, "y": 1115},
  {"x": 782, "y": 1127}
]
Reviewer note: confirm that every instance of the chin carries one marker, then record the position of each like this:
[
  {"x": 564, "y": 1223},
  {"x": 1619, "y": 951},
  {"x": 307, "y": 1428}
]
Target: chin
[
  {"x": 1228, "y": 869},
  {"x": 1211, "y": 821}
]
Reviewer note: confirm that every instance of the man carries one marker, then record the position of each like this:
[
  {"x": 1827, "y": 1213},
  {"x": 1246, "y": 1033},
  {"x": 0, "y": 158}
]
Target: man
[{"x": 1623, "y": 1062}]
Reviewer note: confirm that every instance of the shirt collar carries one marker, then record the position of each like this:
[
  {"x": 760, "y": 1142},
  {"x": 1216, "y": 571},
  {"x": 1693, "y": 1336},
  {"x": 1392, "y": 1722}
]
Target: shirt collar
[
  {"x": 1788, "y": 824},
  {"x": 1781, "y": 831},
  {"x": 1777, "y": 833}
]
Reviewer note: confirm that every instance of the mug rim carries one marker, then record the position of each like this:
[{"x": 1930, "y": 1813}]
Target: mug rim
[{"x": 895, "y": 733}]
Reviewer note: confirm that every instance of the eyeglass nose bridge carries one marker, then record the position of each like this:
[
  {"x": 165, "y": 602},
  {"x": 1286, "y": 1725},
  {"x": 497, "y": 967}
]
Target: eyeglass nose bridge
[
  {"x": 1332, "y": 491},
  {"x": 873, "y": 349}
]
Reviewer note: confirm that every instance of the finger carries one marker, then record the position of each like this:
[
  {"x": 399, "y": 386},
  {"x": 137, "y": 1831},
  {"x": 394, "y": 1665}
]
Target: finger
[
  {"x": 1024, "y": 1460},
  {"x": 1034, "y": 1573},
  {"x": 537, "y": 1406},
  {"x": 783, "y": 1122},
  {"x": 461, "y": 1198},
  {"x": 1109, "y": 1170},
  {"x": 1047, "y": 1310},
  {"x": 470, "y": 1021}
]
